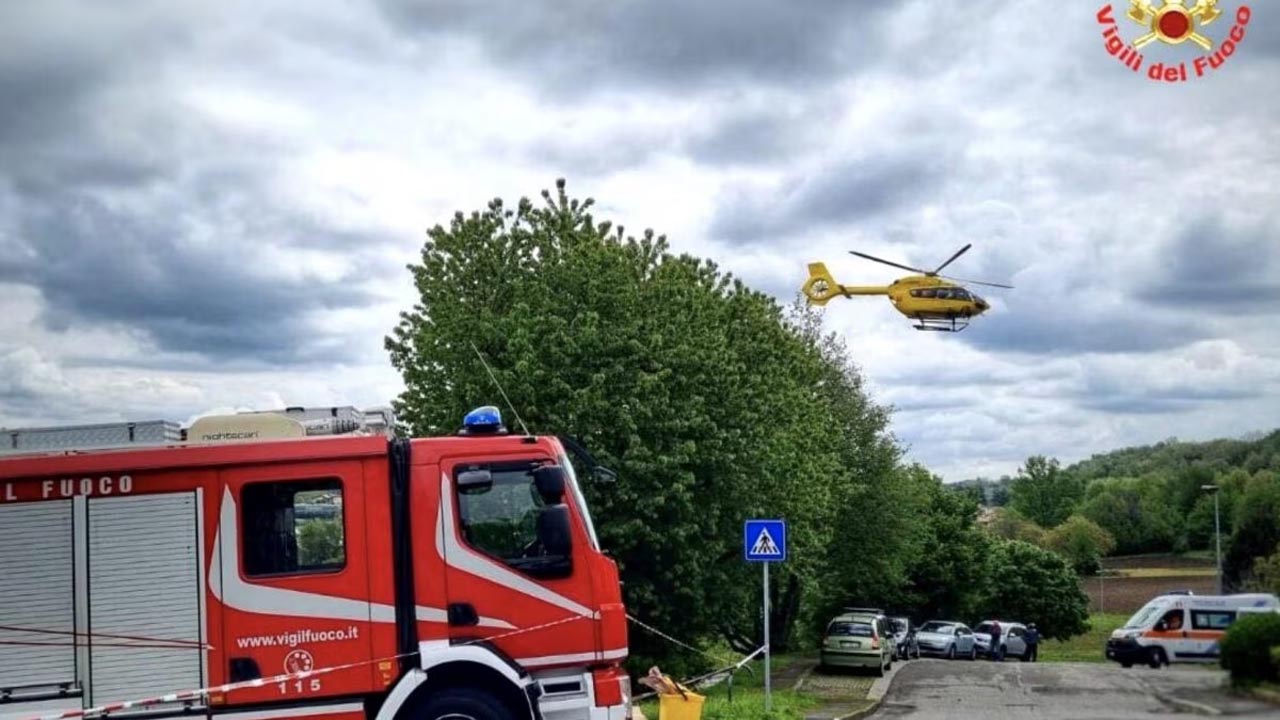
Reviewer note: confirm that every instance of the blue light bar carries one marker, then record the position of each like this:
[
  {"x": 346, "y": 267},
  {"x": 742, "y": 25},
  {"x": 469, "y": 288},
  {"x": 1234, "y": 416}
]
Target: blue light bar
[{"x": 483, "y": 417}]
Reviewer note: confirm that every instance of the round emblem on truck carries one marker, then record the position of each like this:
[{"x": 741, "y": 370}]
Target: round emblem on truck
[{"x": 298, "y": 661}]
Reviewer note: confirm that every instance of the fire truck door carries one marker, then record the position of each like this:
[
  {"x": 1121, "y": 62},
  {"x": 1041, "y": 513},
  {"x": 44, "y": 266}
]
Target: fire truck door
[
  {"x": 294, "y": 585},
  {"x": 502, "y": 579}
]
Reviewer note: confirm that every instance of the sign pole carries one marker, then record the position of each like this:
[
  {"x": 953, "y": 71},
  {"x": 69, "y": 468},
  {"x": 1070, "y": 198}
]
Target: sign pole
[
  {"x": 768, "y": 678},
  {"x": 765, "y": 542}
]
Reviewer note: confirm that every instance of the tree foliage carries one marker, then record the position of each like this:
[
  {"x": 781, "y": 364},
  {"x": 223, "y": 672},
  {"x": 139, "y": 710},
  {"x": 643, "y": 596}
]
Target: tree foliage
[
  {"x": 1266, "y": 573},
  {"x": 1257, "y": 528},
  {"x": 1009, "y": 524},
  {"x": 1135, "y": 511},
  {"x": 1248, "y": 649},
  {"x": 1082, "y": 542},
  {"x": 1036, "y": 586},
  {"x": 1156, "y": 499},
  {"x": 1043, "y": 493}
]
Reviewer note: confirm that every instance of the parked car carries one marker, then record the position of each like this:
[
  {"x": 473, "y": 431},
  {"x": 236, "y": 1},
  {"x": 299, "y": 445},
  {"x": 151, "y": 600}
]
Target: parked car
[
  {"x": 904, "y": 638},
  {"x": 947, "y": 638},
  {"x": 1013, "y": 638},
  {"x": 858, "y": 638}
]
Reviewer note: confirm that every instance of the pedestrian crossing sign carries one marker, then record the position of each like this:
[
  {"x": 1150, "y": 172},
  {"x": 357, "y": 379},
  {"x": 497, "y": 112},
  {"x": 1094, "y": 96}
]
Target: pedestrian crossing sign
[{"x": 765, "y": 541}]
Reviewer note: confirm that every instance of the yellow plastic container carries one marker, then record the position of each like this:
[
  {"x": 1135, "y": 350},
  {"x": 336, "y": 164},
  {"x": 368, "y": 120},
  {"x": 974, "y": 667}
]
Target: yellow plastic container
[{"x": 674, "y": 707}]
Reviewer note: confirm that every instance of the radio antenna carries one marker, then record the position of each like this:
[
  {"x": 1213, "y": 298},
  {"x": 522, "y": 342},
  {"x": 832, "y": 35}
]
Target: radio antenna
[{"x": 494, "y": 378}]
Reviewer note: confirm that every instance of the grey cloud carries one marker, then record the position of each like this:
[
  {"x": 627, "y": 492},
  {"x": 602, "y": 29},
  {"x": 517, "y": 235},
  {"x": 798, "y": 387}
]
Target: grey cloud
[
  {"x": 1067, "y": 330},
  {"x": 146, "y": 271},
  {"x": 1143, "y": 404},
  {"x": 761, "y": 133},
  {"x": 1216, "y": 267},
  {"x": 596, "y": 156},
  {"x": 123, "y": 210},
  {"x": 854, "y": 189},
  {"x": 929, "y": 404},
  {"x": 577, "y": 45},
  {"x": 1262, "y": 35}
]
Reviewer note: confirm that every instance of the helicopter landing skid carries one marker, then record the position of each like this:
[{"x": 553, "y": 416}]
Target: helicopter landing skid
[{"x": 942, "y": 324}]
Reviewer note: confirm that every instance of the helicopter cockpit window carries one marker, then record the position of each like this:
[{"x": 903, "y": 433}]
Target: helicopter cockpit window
[{"x": 927, "y": 292}]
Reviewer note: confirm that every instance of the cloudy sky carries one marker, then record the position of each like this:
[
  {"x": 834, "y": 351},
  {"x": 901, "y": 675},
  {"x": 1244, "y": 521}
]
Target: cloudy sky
[{"x": 210, "y": 205}]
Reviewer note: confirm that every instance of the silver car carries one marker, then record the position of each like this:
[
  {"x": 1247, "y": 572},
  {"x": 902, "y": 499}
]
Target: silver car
[
  {"x": 947, "y": 639},
  {"x": 1013, "y": 638}
]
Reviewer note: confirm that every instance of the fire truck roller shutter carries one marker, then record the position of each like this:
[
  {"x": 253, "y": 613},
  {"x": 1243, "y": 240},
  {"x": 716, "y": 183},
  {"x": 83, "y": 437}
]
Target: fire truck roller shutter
[
  {"x": 37, "y": 579},
  {"x": 144, "y": 581}
]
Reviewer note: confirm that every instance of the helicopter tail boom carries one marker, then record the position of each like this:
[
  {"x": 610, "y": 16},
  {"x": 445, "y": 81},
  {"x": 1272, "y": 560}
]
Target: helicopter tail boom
[{"x": 821, "y": 286}]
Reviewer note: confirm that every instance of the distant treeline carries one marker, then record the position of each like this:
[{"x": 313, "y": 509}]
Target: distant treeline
[{"x": 1150, "y": 499}]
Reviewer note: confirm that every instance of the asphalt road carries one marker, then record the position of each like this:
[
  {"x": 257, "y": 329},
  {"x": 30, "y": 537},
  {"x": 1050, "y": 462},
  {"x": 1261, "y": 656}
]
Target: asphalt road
[{"x": 926, "y": 689}]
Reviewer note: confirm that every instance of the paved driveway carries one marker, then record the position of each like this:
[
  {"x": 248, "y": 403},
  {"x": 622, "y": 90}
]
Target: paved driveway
[{"x": 926, "y": 689}]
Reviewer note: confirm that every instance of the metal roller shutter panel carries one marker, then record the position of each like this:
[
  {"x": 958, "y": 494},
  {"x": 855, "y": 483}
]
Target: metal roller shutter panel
[
  {"x": 37, "y": 576},
  {"x": 143, "y": 581}
]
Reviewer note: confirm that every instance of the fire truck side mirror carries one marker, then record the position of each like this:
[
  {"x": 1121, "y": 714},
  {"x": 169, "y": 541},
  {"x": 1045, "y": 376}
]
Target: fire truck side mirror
[
  {"x": 555, "y": 532},
  {"x": 550, "y": 482},
  {"x": 474, "y": 481}
]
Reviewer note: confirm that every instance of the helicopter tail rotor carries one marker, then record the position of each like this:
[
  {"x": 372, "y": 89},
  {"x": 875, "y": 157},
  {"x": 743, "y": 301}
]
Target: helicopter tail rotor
[{"x": 821, "y": 285}]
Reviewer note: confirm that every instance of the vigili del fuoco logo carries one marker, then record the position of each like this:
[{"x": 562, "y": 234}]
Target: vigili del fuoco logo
[{"x": 1172, "y": 22}]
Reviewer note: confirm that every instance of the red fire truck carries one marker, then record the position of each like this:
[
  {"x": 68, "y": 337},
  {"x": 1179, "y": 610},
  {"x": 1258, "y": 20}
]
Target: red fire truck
[{"x": 284, "y": 575}]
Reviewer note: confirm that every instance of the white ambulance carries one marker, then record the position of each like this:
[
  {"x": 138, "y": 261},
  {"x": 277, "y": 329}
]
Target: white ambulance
[{"x": 1182, "y": 628}]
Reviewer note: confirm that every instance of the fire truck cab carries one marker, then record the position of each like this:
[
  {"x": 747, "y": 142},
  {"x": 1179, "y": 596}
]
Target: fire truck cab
[{"x": 285, "y": 571}]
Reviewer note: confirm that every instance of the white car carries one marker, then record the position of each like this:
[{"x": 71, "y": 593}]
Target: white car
[
  {"x": 1013, "y": 638},
  {"x": 947, "y": 639}
]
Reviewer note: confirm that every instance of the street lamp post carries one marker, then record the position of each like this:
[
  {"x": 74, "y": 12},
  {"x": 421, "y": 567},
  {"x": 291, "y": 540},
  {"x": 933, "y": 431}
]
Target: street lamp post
[{"x": 1217, "y": 530}]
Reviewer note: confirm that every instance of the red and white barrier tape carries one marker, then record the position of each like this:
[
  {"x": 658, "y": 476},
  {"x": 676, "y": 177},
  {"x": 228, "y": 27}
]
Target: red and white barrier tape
[
  {"x": 189, "y": 695},
  {"x": 150, "y": 641}
]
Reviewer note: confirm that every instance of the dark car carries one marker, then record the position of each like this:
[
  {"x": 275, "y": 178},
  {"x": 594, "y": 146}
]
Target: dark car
[{"x": 904, "y": 634}]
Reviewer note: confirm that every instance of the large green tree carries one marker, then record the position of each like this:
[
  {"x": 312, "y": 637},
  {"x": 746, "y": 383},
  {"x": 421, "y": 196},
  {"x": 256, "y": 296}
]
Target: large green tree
[
  {"x": 1257, "y": 528},
  {"x": 1136, "y": 512},
  {"x": 1081, "y": 542},
  {"x": 712, "y": 402},
  {"x": 1036, "y": 586},
  {"x": 1044, "y": 494},
  {"x": 951, "y": 573}
]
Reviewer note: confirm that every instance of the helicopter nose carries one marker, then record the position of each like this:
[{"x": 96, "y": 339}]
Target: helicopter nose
[{"x": 982, "y": 304}]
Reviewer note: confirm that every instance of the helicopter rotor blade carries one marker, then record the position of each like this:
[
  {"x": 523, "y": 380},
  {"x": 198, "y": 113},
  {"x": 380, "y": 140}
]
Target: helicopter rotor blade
[
  {"x": 976, "y": 282},
  {"x": 887, "y": 262},
  {"x": 959, "y": 252}
]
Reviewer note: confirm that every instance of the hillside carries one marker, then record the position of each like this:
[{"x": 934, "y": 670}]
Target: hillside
[
  {"x": 1162, "y": 499},
  {"x": 1172, "y": 456}
]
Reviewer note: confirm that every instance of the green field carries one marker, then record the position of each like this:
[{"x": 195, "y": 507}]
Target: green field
[{"x": 1084, "y": 648}]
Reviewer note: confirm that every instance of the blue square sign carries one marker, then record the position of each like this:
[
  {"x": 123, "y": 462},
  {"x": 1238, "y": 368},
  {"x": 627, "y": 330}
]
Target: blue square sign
[{"x": 765, "y": 541}]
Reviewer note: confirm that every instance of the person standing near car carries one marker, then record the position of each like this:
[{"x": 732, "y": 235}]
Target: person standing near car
[
  {"x": 1033, "y": 643},
  {"x": 995, "y": 642}
]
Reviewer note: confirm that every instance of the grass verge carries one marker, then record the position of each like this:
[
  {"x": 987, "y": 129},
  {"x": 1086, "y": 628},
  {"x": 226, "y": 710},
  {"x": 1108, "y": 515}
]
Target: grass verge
[
  {"x": 1089, "y": 647},
  {"x": 1170, "y": 572},
  {"x": 748, "y": 694}
]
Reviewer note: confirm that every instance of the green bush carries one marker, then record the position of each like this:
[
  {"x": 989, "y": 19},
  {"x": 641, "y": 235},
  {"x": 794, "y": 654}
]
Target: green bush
[{"x": 1247, "y": 649}]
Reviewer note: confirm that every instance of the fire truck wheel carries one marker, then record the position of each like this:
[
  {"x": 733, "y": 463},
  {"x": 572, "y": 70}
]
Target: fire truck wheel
[{"x": 465, "y": 704}]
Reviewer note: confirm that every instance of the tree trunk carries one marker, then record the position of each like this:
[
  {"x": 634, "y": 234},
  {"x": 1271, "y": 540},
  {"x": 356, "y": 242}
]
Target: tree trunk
[{"x": 784, "y": 609}]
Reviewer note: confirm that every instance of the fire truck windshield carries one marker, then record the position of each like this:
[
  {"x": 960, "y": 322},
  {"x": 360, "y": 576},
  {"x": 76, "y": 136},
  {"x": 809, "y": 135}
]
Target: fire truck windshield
[{"x": 572, "y": 477}]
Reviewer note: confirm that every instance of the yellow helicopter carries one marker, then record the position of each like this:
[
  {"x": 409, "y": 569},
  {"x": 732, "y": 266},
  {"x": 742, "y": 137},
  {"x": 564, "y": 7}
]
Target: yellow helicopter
[{"x": 932, "y": 302}]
